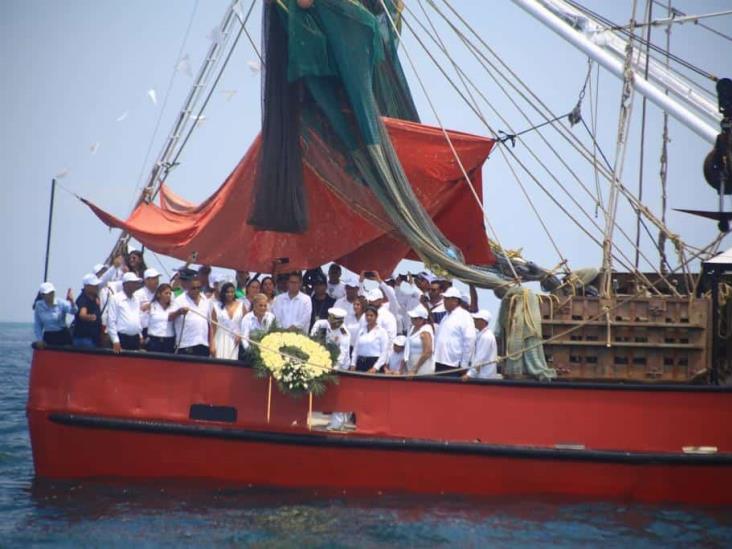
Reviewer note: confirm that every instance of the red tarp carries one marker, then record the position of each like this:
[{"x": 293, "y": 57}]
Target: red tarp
[{"x": 343, "y": 226}]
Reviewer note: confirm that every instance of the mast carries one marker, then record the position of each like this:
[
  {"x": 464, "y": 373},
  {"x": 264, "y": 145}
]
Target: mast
[
  {"x": 162, "y": 166},
  {"x": 538, "y": 8}
]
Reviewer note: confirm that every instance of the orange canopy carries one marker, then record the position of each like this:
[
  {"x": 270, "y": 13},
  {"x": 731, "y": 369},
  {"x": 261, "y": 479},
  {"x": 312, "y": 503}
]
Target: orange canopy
[{"x": 346, "y": 225}]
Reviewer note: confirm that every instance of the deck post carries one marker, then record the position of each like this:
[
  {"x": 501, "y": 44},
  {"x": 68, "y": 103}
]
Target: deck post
[{"x": 48, "y": 236}]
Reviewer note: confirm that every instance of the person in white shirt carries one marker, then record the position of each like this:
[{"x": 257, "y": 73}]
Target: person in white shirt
[
  {"x": 125, "y": 325},
  {"x": 191, "y": 315},
  {"x": 336, "y": 287},
  {"x": 396, "y": 358},
  {"x": 486, "y": 351},
  {"x": 332, "y": 331},
  {"x": 259, "y": 319},
  {"x": 150, "y": 283},
  {"x": 160, "y": 331},
  {"x": 350, "y": 297},
  {"x": 386, "y": 319},
  {"x": 455, "y": 338},
  {"x": 419, "y": 350},
  {"x": 372, "y": 347},
  {"x": 436, "y": 303},
  {"x": 293, "y": 308}
]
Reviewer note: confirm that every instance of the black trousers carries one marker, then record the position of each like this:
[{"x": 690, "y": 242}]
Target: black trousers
[
  {"x": 196, "y": 350},
  {"x": 129, "y": 342},
  {"x": 365, "y": 363},
  {"x": 59, "y": 337},
  {"x": 157, "y": 344},
  {"x": 454, "y": 370}
]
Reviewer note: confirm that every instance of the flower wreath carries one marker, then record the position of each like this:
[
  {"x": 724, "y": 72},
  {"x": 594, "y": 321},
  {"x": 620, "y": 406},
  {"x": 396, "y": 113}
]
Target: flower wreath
[{"x": 298, "y": 364}]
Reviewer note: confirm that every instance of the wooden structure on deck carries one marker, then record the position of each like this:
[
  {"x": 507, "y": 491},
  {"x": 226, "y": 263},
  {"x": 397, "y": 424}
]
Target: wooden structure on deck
[{"x": 627, "y": 337}]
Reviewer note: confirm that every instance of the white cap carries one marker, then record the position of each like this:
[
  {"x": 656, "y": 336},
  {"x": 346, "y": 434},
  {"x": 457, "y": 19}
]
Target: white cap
[
  {"x": 400, "y": 340},
  {"x": 350, "y": 280},
  {"x": 452, "y": 292},
  {"x": 419, "y": 312},
  {"x": 465, "y": 297},
  {"x": 98, "y": 267},
  {"x": 151, "y": 273},
  {"x": 337, "y": 312},
  {"x": 483, "y": 314},
  {"x": 130, "y": 277},
  {"x": 46, "y": 288},
  {"x": 90, "y": 280},
  {"x": 374, "y": 295}
]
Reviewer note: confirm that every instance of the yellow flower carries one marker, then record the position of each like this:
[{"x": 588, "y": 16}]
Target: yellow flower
[{"x": 318, "y": 363}]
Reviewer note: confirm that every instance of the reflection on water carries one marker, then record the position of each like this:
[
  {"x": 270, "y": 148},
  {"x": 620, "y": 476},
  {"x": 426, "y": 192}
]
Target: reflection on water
[{"x": 203, "y": 513}]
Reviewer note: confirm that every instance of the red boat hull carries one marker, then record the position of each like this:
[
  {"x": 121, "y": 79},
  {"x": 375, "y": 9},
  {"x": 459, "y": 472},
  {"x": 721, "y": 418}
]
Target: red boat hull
[{"x": 93, "y": 414}]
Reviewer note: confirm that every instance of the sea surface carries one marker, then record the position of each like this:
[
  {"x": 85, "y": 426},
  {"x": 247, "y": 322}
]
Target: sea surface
[{"x": 120, "y": 514}]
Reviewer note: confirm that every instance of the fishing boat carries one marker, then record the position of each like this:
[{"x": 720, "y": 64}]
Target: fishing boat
[{"x": 616, "y": 395}]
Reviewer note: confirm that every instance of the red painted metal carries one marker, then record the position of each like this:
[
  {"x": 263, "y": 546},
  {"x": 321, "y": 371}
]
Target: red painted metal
[{"x": 139, "y": 387}]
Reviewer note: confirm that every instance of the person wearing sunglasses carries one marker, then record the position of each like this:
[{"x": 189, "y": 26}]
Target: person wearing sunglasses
[{"x": 190, "y": 318}]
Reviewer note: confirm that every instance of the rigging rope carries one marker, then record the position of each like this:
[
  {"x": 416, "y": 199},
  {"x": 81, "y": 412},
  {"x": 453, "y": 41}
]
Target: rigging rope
[
  {"x": 449, "y": 142},
  {"x": 531, "y": 152},
  {"x": 644, "y": 105},
  {"x": 674, "y": 11},
  {"x": 630, "y": 33}
]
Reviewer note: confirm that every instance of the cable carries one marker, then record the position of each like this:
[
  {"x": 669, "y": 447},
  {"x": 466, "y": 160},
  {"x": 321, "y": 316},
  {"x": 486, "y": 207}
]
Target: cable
[
  {"x": 608, "y": 23},
  {"x": 165, "y": 100},
  {"x": 675, "y": 11}
]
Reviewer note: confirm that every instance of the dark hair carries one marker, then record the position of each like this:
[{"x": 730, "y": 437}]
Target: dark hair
[
  {"x": 251, "y": 281},
  {"x": 372, "y": 309},
  {"x": 298, "y": 274},
  {"x": 142, "y": 268},
  {"x": 222, "y": 292},
  {"x": 160, "y": 289},
  {"x": 335, "y": 266},
  {"x": 261, "y": 283},
  {"x": 39, "y": 296}
]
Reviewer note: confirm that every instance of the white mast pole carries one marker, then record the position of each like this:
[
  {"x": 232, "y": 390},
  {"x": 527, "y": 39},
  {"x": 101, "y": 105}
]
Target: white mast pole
[
  {"x": 182, "y": 120},
  {"x": 615, "y": 66}
]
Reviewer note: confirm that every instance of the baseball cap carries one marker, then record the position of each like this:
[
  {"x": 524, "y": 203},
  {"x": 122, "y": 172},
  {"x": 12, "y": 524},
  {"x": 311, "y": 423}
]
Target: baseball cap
[
  {"x": 483, "y": 314},
  {"x": 131, "y": 277},
  {"x": 419, "y": 312},
  {"x": 90, "y": 280},
  {"x": 46, "y": 288},
  {"x": 452, "y": 292},
  {"x": 400, "y": 340},
  {"x": 151, "y": 273}
]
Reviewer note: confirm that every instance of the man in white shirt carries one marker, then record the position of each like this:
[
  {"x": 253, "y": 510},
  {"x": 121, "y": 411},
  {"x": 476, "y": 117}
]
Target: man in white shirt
[
  {"x": 150, "y": 283},
  {"x": 293, "y": 308},
  {"x": 352, "y": 287},
  {"x": 190, "y": 313},
  {"x": 483, "y": 365},
  {"x": 436, "y": 304},
  {"x": 386, "y": 319},
  {"x": 124, "y": 324},
  {"x": 455, "y": 337},
  {"x": 336, "y": 287}
]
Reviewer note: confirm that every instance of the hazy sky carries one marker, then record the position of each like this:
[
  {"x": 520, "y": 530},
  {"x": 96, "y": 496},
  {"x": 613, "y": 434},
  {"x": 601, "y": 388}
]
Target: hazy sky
[{"x": 74, "y": 91}]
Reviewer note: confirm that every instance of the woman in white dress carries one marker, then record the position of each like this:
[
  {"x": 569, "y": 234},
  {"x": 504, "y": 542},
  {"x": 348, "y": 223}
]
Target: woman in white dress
[
  {"x": 418, "y": 352},
  {"x": 226, "y": 315}
]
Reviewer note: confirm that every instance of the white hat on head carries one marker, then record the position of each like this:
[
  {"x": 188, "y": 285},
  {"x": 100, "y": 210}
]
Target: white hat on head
[
  {"x": 337, "y": 312},
  {"x": 151, "y": 273},
  {"x": 483, "y": 314},
  {"x": 46, "y": 288},
  {"x": 130, "y": 277},
  {"x": 452, "y": 292},
  {"x": 90, "y": 280},
  {"x": 375, "y": 295},
  {"x": 98, "y": 267},
  {"x": 400, "y": 340},
  {"x": 419, "y": 312}
]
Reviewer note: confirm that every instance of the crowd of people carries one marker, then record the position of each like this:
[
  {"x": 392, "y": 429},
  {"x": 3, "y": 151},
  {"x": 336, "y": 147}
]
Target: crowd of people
[{"x": 413, "y": 324}]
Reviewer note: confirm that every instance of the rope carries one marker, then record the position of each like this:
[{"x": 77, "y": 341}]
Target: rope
[
  {"x": 571, "y": 139},
  {"x": 449, "y": 142},
  {"x": 165, "y": 100},
  {"x": 523, "y": 166}
]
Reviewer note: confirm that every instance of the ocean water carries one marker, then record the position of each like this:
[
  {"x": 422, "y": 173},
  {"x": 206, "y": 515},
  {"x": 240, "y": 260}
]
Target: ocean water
[{"x": 120, "y": 514}]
